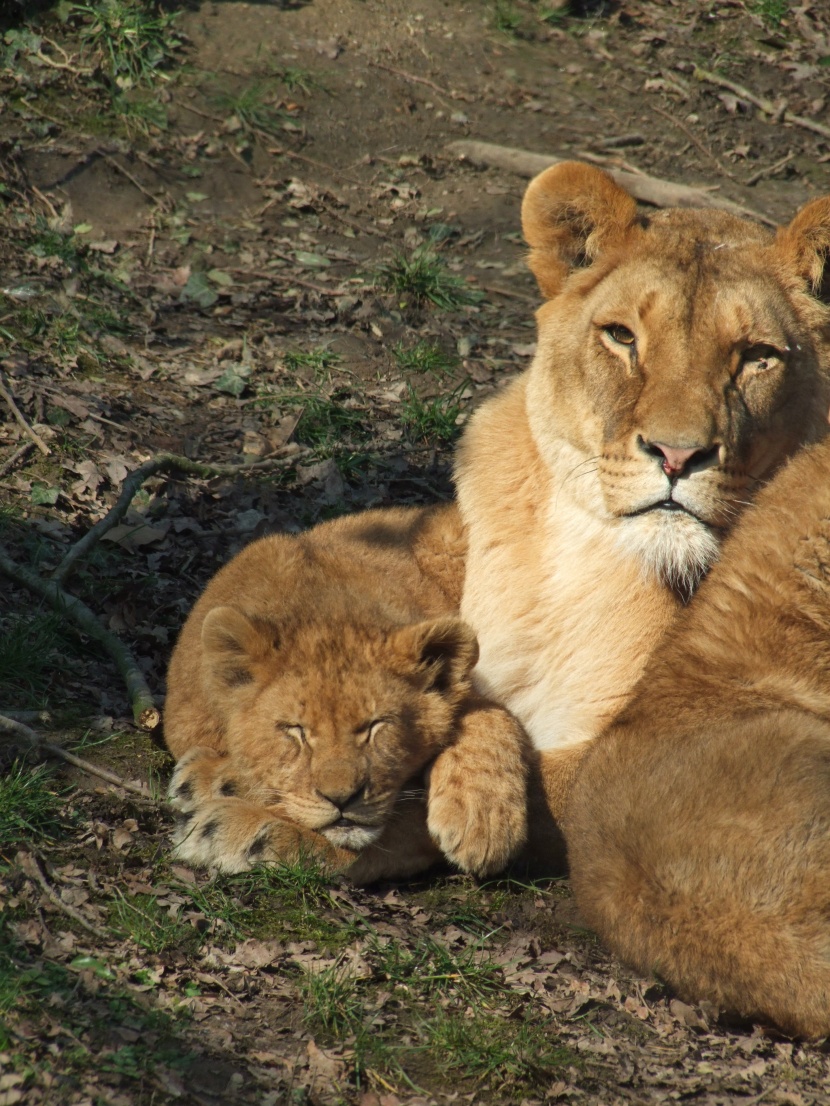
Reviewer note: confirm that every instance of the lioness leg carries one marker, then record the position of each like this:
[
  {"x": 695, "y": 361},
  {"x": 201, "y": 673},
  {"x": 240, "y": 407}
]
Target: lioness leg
[{"x": 477, "y": 792}]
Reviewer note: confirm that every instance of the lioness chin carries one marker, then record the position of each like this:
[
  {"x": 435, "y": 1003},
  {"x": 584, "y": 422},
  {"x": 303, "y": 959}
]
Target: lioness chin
[
  {"x": 681, "y": 357},
  {"x": 699, "y": 828}
]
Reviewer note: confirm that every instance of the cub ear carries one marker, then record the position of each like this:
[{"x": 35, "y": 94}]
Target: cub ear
[
  {"x": 445, "y": 651},
  {"x": 805, "y": 246},
  {"x": 569, "y": 214},
  {"x": 232, "y": 645}
]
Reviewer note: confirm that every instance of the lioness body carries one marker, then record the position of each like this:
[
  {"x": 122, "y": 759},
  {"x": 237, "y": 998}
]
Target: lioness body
[
  {"x": 681, "y": 358},
  {"x": 699, "y": 829},
  {"x": 314, "y": 684}
]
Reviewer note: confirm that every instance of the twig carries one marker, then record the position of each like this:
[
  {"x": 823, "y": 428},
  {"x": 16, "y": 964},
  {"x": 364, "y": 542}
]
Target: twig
[
  {"x": 145, "y": 711},
  {"x": 288, "y": 278},
  {"x": 766, "y": 106},
  {"x": 126, "y": 173},
  {"x": 26, "y": 715},
  {"x": 30, "y": 865},
  {"x": 11, "y": 725},
  {"x": 46, "y": 201},
  {"x": 15, "y": 410},
  {"x": 770, "y": 171},
  {"x": 411, "y": 77},
  {"x": 18, "y": 455},
  {"x": 650, "y": 190},
  {"x": 690, "y": 134},
  {"x": 164, "y": 462}
]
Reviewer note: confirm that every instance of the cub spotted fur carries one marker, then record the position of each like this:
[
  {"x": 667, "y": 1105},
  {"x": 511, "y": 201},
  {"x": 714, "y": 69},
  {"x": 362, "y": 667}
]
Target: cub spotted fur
[
  {"x": 319, "y": 699},
  {"x": 681, "y": 357},
  {"x": 699, "y": 829}
]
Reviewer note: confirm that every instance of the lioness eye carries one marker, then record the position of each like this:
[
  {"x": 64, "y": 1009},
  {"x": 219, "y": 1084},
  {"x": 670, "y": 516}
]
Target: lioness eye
[
  {"x": 619, "y": 334},
  {"x": 291, "y": 729},
  {"x": 761, "y": 357}
]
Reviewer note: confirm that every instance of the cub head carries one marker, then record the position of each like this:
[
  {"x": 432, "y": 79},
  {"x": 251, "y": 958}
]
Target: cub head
[
  {"x": 327, "y": 723},
  {"x": 682, "y": 356}
]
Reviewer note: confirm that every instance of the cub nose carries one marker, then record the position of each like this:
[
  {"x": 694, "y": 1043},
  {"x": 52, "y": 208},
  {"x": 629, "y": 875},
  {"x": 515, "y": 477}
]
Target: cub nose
[
  {"x": 341, "y": 797},
  {"x": 675, "y": 459}
]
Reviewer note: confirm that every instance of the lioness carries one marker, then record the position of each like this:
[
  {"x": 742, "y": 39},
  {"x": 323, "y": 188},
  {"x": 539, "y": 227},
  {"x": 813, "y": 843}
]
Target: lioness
[
  {"x": 682, "y": 356},
  {"x": 320, "y": 700},
  {"x": 699, "y": 828}
]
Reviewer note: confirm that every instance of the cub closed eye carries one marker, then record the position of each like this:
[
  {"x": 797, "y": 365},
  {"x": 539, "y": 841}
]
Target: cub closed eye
[
  {"x": 620, "y": 334},
  {"x": 293, "y": 730},
  {"x": 374, "y": 728}
]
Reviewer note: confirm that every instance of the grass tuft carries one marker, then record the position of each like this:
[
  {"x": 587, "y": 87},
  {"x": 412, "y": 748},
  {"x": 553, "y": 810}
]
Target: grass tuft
[
  {"x": 134, "y": 39},
  {"x": 144, "y": 921},
  {"x": 433, "y": 421},
  {"x": 29, "y": 805},
  {"x": 425, "y": 358},
  {"x": 423, "y": 276}
]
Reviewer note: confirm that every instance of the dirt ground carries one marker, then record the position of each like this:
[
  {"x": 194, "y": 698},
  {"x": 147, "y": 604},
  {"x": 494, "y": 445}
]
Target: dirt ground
[{"x": 239, "y": 236}]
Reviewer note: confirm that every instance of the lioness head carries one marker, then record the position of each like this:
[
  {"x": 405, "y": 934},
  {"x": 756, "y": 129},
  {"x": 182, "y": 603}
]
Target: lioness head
[
  {"x": 327, "y": 727},
  {"x": 682, "y": 356}
]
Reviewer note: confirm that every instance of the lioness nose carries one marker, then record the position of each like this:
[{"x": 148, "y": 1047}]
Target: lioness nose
[{"x": 676, "y": 458}]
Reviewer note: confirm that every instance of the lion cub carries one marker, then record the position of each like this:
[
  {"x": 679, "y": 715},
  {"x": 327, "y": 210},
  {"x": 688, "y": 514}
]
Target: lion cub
[
  {"x": 699, "y": 828},
  {"x": 320, "y": 699}
]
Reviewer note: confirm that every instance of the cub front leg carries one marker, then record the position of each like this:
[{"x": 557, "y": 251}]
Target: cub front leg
[
  {"x": 477, "y": 791},
  {"x": 203, "y": 774}
]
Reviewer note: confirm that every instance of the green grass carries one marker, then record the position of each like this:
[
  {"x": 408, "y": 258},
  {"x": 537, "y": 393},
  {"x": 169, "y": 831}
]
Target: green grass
[
  {"x": 494, "y": 1050},
  {"x": 144, "y": 921},
  {"x": 505, "y": 17},
  {"x": 30, "y": 806},
  {"x": 433, "y": 421},
  {"x": 331, "y": 1001},
  {"x": 320, "y": 361},
  {"x": 133, "y": 40},
  {"x": 325, "y": 420},
  {"x": 28, "y": 651},
  {"x": 425, "y": 358},
  {"x": 422, "y": 276},
  {"x": 430, "y": 968},
  {"x": 297, "y": 80},
  {"x": 773, "y": 12},
  {"x": 253, "y": 107}
]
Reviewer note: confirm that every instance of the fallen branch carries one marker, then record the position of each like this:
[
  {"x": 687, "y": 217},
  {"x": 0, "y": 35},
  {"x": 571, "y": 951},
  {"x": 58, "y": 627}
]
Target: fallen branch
[
  {"x": 11, "y": 725},
  {"x": 11, "y": 462},
  {"x": 15, "y": 410},
  {"x": 145, "y": 711},
  {"x": 31, "y": 867},
  {"x": 650, "y": 190},
  {"x": 770, "y": 170},
  {"x": 164, "y": 462},
  {"x": 777, "y": 112}
]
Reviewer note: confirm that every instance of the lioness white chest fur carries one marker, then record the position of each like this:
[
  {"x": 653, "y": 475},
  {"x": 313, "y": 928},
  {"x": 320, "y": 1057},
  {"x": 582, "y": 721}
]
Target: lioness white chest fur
[{"x": 681, "y": 358}]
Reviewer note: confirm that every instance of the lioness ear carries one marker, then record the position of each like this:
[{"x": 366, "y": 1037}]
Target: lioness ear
[
  {"x": 805, "y": 246},
  {"x": 232, "y": 644},
  {"x": 445, "y": 651},
  {"x": 569, "y": 214}
]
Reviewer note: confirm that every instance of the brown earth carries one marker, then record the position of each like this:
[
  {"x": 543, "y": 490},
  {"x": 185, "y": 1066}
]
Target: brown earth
[{"x": 195, "y": 264}]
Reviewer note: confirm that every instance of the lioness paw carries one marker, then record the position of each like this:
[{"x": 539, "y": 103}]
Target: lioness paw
[
  {"x": 202, "y": 774},
  {"x": 233, "y": 835},
  {"x": 477, "y": 798}
]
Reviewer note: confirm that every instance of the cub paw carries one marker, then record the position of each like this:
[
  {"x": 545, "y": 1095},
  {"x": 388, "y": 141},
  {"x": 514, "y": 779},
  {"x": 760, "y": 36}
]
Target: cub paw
[
  {"x": 232, "y": 835},
  {"x": 477, "y": 808},
  {"x": 202, "y": 774}
]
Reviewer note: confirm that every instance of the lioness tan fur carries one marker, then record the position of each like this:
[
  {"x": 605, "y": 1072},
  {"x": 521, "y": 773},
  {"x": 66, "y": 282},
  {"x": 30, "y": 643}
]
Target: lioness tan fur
[
  {"x": 320, "y": 699},
  {"x": 699, "y": 829},
  {"x": 681, "y": 357}
]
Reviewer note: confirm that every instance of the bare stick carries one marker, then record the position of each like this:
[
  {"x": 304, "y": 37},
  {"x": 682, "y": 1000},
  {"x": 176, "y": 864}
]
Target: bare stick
[
  {"x": 690, "y": 134},
  {"x": 145, "y": 711},
  {"x": 30, "y": 865},
  {"x": 18, "y": 455},
  {"x": 15, "y": 410},
  {"x": 412, "y": 78},
  {"x": 9, "y": 724},
  {"x": 768, "y": 107},
  {"x": 126, "y": 173},
  {"x": 164, "y": 462},
  {"x": 770, "y": 171},
  {"x": 650, "y": 190}
]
